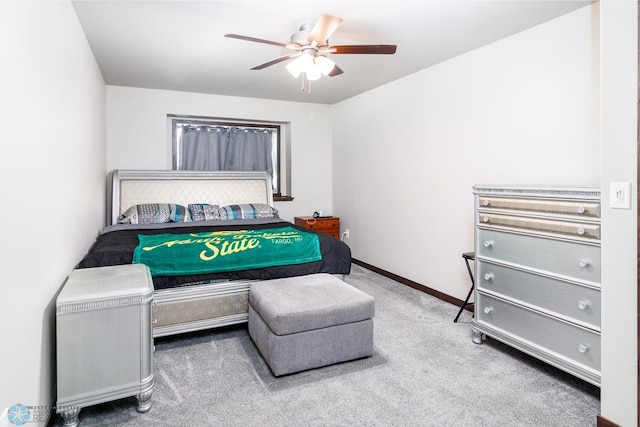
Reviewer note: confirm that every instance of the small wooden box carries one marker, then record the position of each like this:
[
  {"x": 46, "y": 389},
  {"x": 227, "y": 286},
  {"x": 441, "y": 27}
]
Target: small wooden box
[{"x": 328, "y": 224}]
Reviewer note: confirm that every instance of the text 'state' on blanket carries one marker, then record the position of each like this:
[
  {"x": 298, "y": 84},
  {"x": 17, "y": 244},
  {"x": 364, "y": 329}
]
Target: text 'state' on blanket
[{"x": 208, "y": 252}]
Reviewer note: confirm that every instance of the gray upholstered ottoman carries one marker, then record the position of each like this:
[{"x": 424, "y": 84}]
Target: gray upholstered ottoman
[{"x": 306, "y": 322}]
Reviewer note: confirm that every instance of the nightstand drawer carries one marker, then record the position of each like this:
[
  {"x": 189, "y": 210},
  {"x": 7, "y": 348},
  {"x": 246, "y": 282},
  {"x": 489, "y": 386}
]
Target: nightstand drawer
[
  {"x": 328, "y": 225},
  {"x": 323, "y": 224}
]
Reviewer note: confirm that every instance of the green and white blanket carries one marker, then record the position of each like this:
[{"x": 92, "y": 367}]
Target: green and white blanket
[{"x": 198, "y": 253}]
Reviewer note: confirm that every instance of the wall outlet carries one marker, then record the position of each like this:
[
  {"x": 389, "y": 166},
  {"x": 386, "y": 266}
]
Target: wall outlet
[{"x": 345, "y": 234}]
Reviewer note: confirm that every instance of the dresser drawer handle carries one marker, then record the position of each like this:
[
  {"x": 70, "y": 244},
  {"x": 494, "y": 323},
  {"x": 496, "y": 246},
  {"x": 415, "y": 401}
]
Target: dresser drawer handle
[
  {"x": 488, "y": 310},
  {"x": 488, "y": 277},
  {"x": 486, "y": 203},
  {"x": 488, "y": 243},
  {"x": 155, "y": 321},
  {"x": 582, "y": 348},
  {"x": 485, "y": 219},
  {"x": 583, "y": 262},
  {"x": 583, "y": 305},
  {"x": 580, "y": 231},
  {"x": 580, "y": 209}
]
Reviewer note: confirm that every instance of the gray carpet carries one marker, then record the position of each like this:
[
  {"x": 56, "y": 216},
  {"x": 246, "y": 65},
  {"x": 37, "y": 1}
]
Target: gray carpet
[{"x": 425, "y": 371}]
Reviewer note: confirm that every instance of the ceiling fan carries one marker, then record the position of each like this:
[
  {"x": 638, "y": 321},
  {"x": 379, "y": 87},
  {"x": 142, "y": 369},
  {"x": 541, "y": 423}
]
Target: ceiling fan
[{"x": 309, "y": 47}]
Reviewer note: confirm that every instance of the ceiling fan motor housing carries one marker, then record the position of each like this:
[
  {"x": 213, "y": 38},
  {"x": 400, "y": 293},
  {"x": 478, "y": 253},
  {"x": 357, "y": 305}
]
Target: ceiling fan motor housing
[{"x": 301, "y": 37}]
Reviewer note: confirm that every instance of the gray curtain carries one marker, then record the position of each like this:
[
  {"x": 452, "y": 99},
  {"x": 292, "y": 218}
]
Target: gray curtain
[
  {"x": 225, "y": 148},
  {"x": 249, "y": 150},
  {"x": 202, "y": 148}
]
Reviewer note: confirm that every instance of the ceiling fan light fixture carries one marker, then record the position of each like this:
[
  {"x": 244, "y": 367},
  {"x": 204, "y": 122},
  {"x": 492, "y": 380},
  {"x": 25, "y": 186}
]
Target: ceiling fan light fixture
[
  {"x": 324, "y": 64},
  {"x": 301, "y": 64},
  {"x": 294, "y": 68},
  {"x": 313, "y": 73},
  {"x": 306, "y": 59}
]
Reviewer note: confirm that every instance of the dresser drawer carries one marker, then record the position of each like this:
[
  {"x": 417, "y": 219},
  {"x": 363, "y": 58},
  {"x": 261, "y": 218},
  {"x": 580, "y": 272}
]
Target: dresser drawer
[
  {"x": 570, "y": 300},
  {"x": 562, "y": 228},
  {"x": 573, "y": 343},
  {"x": 556, "y": 207},
  {"x": 570, "y": 259}
]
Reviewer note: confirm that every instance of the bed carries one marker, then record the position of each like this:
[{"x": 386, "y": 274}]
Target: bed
[{"x": 200, "y": 298}]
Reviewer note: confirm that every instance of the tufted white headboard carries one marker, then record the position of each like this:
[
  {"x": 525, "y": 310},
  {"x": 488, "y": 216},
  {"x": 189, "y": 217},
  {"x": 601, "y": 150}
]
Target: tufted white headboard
[{"x": 131, "y": 187}]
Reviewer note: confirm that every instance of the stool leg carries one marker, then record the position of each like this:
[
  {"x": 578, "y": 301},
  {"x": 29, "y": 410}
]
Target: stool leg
[
  {"x": 473, "y": 285},
  {"x": 466, "y": 302}
]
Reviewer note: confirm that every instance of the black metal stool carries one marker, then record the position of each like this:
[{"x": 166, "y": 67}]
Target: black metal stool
[{"x": 467, "y": 256}]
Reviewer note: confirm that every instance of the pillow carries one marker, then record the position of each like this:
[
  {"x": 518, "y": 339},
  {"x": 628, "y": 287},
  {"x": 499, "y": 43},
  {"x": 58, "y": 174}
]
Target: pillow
[
  {"x": 154, "y": 213},
  {"x": 203, "y": 211},
  {"x": 248, "y": 211}
]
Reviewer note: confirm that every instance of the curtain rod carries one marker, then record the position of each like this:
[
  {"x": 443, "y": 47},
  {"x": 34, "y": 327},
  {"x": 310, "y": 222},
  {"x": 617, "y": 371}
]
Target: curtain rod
[{"x": 229, "y": 127}]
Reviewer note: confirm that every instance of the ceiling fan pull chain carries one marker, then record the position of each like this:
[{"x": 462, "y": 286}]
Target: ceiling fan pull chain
[{"x": 309, "y": 83}]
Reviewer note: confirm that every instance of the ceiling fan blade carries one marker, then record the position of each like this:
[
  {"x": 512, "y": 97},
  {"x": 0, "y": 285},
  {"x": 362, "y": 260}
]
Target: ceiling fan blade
[
  {"x": 371, "y": 49},
  {"x": 324, "y": 28},
  {"x": 335, "y": 72},
  {"x": 253, "y": 39},
  {"x": 275, "y": 61}
]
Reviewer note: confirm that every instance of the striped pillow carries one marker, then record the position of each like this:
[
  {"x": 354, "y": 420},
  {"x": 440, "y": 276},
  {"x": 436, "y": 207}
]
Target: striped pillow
[
  {"x": 154, "y": 213},
  {"x": 248, "y": 211},
  {"x": 203, "y": 211}
]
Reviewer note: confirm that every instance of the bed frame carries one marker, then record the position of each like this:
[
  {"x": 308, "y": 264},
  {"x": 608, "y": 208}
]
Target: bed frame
[{"x": 194, "y": 307}]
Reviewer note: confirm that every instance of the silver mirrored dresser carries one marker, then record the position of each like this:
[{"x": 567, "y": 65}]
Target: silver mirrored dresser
[
  {"x": 104, "y": 339},
  {"x": 537, "y": 273}
]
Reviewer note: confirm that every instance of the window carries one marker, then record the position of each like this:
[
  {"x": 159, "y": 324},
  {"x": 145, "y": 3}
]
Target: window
[{"x": 220, "y": 145}]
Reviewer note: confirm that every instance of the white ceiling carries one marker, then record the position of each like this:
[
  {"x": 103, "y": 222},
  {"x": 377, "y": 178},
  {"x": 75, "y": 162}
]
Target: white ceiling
[{"x": 180, "y": 45}]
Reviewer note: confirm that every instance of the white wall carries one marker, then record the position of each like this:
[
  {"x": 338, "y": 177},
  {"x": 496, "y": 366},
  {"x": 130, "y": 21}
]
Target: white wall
[
  {"x": 522, "y": 110},
  {"x": 137, "y": 136},
  {"x": 525, "y": 110},
  {"x": 52, "y": 173},
  {"x": 619, "y": 97}
]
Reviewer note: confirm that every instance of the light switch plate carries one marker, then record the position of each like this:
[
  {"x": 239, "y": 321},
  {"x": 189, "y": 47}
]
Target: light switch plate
[{"x": 620, "y": 195}]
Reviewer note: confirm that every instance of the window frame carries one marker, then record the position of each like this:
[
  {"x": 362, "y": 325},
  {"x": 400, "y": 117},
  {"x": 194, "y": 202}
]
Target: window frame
[{"x": 195, "y": 121}]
